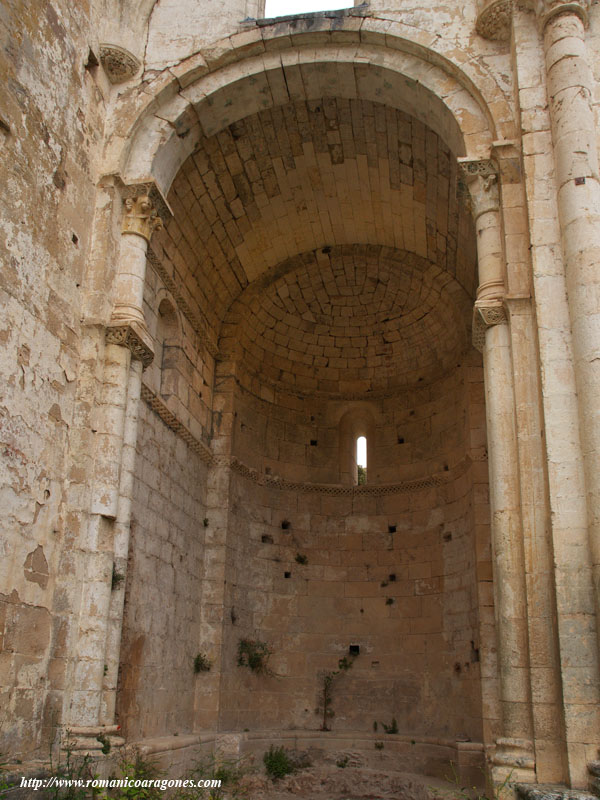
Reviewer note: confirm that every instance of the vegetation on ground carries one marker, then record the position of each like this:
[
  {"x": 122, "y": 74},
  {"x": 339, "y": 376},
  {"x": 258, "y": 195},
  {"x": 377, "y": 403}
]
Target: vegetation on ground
[
  {"x": 280, "y": 762},
  {"x": 460, "y": 792}
]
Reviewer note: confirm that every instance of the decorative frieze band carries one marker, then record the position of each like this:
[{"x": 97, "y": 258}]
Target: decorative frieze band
[
  {"x": 335, "y": 490},
  {"x": 156, "y": 404},
  {"x": 473, "y": 168},
  {"x": 274, "y": 482},
  {"x": 131, "y": 335}
]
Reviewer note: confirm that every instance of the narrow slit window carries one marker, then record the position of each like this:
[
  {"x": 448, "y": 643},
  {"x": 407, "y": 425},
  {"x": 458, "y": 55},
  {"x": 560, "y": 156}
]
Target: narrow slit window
[{"x": 361, "y": 460}]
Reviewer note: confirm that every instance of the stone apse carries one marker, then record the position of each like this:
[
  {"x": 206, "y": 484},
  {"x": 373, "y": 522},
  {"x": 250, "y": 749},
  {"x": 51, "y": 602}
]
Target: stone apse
[{"x": 233, "y": 246}]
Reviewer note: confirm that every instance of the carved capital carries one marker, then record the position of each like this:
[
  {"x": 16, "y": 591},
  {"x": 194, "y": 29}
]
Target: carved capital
[
  {"x": 119, "y": 64},
  {"x": 548, "y": 9},
  {"x": 482, "y": 179},
  {"x": 132, "y": 335},
  {"x": 487, "y": 313},
  {"x": 494, "y": 20},
  {"x": 141, "y": 217}
]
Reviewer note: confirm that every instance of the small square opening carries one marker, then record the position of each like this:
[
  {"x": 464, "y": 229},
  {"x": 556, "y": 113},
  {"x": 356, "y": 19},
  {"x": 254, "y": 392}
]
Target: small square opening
[
  {"x": 354, "y": 650},
  {"x": 391, "y": 529},
  {"x": 287, "y": 574}
]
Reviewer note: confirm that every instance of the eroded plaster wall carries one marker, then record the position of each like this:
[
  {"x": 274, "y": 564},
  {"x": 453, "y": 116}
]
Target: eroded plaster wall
[{"x": 51, "y": 128}]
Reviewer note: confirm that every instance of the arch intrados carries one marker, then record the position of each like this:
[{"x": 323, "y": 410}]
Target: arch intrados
[
  {"x": 429, "y": 87},
  {"x": 357, "y": 418}
]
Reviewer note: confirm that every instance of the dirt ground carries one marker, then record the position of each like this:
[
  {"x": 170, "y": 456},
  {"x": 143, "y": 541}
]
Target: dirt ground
[{"x": 332, "y": 783}]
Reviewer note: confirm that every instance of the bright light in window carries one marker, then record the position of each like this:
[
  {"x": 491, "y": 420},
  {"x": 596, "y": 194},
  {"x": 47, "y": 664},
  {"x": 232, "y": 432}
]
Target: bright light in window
[
  {"x": 281, "y": 8},
  {"x": 361, "y": 451}
]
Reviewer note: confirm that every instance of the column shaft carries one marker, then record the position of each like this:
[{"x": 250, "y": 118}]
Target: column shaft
[
  {"x": 97, "y": 546},
  {"x": 514, "y": 750},
  {"x": 570, "y": 89},
  {"x": 508, "y": 557},
  {"x": 121, "y": 544}
]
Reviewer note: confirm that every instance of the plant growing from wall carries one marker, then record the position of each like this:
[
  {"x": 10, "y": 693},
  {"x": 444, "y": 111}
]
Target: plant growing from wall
[
  {"x": 254, "y": 654},
  {"x": 105, "y": 742},
  {"x": 117, "y": 578},
  {"x": 301, "y": 559},
  {"x": 392, "y": 727},
  {"x": 202, "y": 663},
  {"x": 329, "y": 678}
]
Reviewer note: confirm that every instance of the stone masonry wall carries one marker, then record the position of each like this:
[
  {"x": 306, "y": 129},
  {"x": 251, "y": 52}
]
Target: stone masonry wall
[
  {"x": 161, "y": 632},
  {"x": 400, "y": 574},
  {"x": 415, "y": 434},
  {"x": 407, "y": 598}
]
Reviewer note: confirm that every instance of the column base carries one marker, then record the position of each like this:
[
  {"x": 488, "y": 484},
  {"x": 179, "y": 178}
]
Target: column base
[
  {"x": 513, "y": 762},
  {"x": 94, "y": 741}
]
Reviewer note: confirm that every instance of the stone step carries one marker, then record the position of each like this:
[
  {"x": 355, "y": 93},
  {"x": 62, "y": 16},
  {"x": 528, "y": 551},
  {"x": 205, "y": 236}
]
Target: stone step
[{"x": 538, "y": 791}]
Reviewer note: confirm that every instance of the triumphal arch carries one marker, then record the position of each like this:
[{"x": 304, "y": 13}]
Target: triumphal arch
[{"x": 232, "y": 246}]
